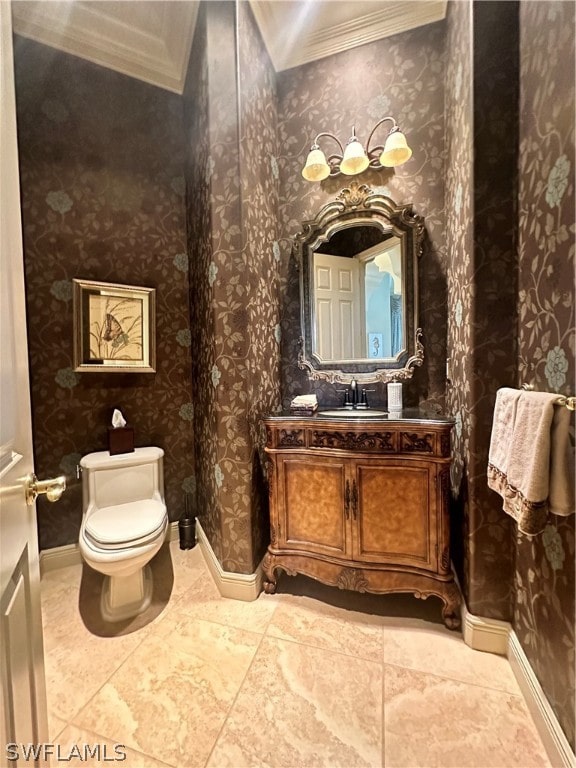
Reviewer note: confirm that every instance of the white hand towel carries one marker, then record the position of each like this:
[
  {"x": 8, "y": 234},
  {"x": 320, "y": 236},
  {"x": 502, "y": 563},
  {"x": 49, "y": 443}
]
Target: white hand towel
[
  {"x": 529, "y": 461},
  {"x": 501, "y": 438},
  {"x": 561, "y": 497}
]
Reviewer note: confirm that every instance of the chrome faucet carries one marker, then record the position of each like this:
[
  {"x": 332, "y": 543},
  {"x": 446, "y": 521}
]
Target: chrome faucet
[
  {"x": 351, "y": 395},
  {"x": 354, "y": 391},
  {"x": 354, "y": 397}
]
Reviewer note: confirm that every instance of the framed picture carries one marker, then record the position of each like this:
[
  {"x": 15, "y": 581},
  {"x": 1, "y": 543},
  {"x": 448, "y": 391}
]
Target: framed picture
[{"x": 114, "y": 327}]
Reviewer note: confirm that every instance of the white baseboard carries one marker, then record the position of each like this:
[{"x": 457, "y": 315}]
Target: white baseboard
[
  {"x": 239, "y": 586},
  {"x": 172, "y": 533},
  {"x": 495, "y": 636},
  {"x": 552, "y": 735},
  {"x": 59, "y": 557},
  {"x": 489, "y": 635}
]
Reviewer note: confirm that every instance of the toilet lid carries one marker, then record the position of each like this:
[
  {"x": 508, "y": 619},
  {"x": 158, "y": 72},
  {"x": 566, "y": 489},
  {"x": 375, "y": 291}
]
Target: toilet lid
[{"x": 124, "y": 523}]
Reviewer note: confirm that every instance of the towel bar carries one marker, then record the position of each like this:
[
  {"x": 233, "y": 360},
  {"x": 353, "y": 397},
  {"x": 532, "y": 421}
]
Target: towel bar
[{"x": 568, "y": 402}]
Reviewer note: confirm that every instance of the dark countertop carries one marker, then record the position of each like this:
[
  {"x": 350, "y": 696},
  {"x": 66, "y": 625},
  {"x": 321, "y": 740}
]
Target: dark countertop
[{"x": 376, "y": 414}]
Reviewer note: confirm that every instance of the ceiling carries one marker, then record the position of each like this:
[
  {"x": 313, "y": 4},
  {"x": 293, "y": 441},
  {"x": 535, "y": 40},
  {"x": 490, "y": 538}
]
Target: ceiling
[{"x": 151, "y": 39}]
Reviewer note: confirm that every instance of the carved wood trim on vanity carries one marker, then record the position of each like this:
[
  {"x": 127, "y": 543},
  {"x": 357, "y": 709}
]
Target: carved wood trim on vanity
[
  {"x": 412, "y": 442},
  {"x": 362, "y": 506},
  {"x": 349, "y": 441}
]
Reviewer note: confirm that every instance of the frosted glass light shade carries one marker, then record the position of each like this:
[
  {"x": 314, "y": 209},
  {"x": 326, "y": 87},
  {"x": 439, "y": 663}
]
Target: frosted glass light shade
[
  {"x": 316, "y": 168},
  {"x": 396, "y": 150},
  {"x": 355, "y": 159}
]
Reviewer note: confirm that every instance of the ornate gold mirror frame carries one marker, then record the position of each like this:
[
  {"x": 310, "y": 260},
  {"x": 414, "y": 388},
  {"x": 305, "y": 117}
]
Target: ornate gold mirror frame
[{"x": 358, "y": 206}]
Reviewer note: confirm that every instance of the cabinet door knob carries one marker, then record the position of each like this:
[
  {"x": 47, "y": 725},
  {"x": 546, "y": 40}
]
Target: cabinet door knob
[{"x": 347, "y": 500}]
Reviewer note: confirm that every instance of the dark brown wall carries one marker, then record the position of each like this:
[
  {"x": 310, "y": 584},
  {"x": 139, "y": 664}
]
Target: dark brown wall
[
  {"x": 481, "y": 123},
  {"x": 544, "y": 611},
  {"x": 232, "y": 180},
  {"x": 459, "y": 244},
  {"x": 402, "y": 76},
  {"x": 495, "y": 286},
  {"x": 511, "y": 295},
  {"x": 102, "y": 199}
]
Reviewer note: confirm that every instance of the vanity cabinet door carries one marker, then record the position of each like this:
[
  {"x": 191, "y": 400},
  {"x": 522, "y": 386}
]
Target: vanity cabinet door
[
  {"x": 313, "y": 512},
  {"x": 394, "y": 513}
]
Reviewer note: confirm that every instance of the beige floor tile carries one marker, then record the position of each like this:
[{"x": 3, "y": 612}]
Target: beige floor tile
[
  {"x": 172, "y": 696},
  {"x": 60, "y": 614},
  {"x": 306, "y": 707},
  {"x": 203, "y": 600},
  {"x": 77, "y": 662},
  {"x": 55, "y": 726},
  {"x": 79, "y": 747},
  {"x": 313, "y": 622},
  {"x": 434, "y": 722},
  {"x": 188, "y": 566},
  {"x": 435, "y": 649},
  {"x": 78, "y": 665},
  {"x": 71, "y": 574}
]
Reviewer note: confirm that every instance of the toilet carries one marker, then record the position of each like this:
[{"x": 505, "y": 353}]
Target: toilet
[{"x": 124, "y": 522}]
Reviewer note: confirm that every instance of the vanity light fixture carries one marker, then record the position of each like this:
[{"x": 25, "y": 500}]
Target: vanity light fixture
[{"x": 354, "y": 158}]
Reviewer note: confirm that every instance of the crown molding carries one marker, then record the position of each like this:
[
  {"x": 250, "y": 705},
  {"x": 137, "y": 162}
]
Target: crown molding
[
  {"x": 324, "y": 33},
  {"x": 150, "y": 41}
]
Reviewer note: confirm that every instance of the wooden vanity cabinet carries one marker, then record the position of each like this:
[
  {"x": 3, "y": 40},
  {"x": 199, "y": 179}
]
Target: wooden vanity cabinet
[{"x": 362, "y": 505}]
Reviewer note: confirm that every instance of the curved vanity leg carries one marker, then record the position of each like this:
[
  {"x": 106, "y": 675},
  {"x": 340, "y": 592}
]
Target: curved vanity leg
[
  {"x": 451, "y": 609},
  {"x": 269, "y": 567}
]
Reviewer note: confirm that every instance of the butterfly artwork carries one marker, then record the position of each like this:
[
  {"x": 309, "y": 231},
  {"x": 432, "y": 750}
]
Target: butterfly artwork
[
  {"x": 116, "y": 328},
  {"x": 113, "y": 331},
  {"x": 113, "y": 328}
]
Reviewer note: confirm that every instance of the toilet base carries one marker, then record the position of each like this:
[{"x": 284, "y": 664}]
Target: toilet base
[{"x": 124, "y": 597}]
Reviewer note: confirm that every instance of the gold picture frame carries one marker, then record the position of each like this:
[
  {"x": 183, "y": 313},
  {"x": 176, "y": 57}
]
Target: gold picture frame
[{"x": 114, "y": 328}]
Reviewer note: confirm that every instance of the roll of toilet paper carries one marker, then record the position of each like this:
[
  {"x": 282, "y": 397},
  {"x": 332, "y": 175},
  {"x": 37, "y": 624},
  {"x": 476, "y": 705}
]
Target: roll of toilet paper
[{"x": 395, "y": 396}]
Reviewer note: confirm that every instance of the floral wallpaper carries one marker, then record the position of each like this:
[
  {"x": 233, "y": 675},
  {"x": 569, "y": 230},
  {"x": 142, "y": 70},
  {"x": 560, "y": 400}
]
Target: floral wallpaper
[
  {"x": 232, "y": 181},
  {"x": 510, "y": 286},
  {"x": 102, "y": 199},
  {"x": 482, "y": 281},
  {"x": 401, "y": 76},
  {"x": 459, "y": 245},
  {"x": 544, "y": 611},
  {"x": 495, "y": 281}
]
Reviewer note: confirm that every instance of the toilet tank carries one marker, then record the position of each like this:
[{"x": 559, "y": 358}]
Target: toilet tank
[{"x": 110, "y": 480}]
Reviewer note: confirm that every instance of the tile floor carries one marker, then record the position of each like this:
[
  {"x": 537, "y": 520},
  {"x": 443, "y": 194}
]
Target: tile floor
[{"x": 295, "y": 679}]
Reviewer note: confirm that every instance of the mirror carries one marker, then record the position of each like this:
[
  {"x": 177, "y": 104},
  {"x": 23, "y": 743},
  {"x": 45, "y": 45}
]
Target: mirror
[{"x": 358, "y": 261}]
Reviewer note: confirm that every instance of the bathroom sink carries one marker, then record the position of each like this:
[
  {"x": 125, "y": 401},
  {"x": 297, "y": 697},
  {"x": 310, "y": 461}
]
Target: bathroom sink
[{"x": 359, "y": 413}]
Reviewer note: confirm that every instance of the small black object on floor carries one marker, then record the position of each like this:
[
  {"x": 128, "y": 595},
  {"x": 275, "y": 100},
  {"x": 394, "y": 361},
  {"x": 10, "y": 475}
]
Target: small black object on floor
[
  {"x": 187, "y": 525},
  {"x": 187, "y": 530}
]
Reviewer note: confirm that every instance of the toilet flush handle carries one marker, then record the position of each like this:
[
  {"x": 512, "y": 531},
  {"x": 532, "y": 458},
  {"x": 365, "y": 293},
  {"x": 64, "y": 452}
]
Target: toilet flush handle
[{"x": 53, "y": 488}]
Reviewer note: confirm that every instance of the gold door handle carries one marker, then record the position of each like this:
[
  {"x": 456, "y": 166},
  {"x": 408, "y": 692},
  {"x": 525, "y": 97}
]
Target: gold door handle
[{"x": 53, "y": 488}]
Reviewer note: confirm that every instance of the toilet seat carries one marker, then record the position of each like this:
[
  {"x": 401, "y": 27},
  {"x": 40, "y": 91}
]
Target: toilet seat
[{"x": 126, "y": 525}]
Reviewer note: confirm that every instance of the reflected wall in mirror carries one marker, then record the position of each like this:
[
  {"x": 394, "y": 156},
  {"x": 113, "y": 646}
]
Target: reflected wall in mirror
[{"x": 358, "y": 261}]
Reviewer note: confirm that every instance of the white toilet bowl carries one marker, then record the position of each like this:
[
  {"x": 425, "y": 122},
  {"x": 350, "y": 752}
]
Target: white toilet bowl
[{"x": 124, "y": 525}]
